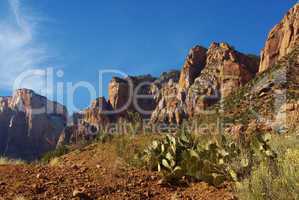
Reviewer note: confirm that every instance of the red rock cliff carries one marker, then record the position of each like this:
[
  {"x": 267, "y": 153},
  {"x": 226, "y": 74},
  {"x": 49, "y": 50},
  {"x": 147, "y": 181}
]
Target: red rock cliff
[{"x": 282, "y": 39}]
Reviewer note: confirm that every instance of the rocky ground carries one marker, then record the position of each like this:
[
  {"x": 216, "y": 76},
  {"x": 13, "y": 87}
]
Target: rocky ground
[{"x": 95, "y": 173}]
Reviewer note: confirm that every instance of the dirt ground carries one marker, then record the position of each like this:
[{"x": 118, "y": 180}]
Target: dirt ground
[{"x": 95, "y": 173}]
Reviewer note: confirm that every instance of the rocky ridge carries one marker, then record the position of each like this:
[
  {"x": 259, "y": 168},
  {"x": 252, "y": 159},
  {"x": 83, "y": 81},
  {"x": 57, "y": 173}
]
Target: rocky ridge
[{"x": 221, "y": 70}]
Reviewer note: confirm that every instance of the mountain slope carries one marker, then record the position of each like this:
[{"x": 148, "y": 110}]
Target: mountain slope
[{"x": 270, "y": 99}]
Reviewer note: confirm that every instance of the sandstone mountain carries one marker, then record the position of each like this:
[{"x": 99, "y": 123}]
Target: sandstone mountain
[
  {"x": 175, "y": 95},
  {"x": 207, "y": 76},
  {"x": 30, "y": 124},
  {"x": 282, "y": 39}
]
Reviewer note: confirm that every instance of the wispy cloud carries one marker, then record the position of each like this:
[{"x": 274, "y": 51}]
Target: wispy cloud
[{"x": 20, "y": 48}]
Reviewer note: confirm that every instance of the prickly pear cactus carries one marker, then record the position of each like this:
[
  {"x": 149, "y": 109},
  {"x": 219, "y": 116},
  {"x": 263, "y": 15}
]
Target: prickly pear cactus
[{"x": 183, "y": 155}]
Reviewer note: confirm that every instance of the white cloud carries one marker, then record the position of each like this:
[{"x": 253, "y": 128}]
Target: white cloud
[{"x": 20, "y": 49}]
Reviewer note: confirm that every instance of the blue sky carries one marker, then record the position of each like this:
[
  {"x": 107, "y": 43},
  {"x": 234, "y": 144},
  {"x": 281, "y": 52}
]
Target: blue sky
[{"x": 134, "y": 36}]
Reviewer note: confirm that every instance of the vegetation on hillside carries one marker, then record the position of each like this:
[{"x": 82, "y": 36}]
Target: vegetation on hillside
[
  {"x": 60, "y": 151},
  {"x": 7, "y": 161}
]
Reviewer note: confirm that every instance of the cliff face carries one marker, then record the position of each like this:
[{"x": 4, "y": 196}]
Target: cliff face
[
  {"x": 226, "y": 70},
  {"x": 123, "y": 92},
  {"x": 118, "y": 92},
  {"x": 30, "y": 124},
  {"x": 269, "y": 102},
  {"x": 194, "y": 63},
  {"x": 282, "y": 39},
  {"x": 221, "y": 70},
  {"x": 5, "y": 116},
  {"x": 98, "y": 112}
]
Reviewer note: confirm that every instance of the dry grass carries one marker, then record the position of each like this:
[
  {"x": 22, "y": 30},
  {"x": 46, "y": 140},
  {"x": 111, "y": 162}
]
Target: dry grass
[
  {"x": 54, "y": 162},
  {"x": 284, "y": 184},
  {"x": 7, "y": 161},
  {"x": 20, "y": 198}
]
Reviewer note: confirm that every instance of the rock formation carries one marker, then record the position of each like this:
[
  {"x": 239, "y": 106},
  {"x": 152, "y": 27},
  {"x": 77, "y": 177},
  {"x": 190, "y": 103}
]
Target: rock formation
[
  {"x": 30, "y": 124},
  {"x": 282, "y": 39},
  {"x": 169, "y": 105},
  {"x": 194, "y": 63},
  {"x": 219, "y": 72},
  {"x": 164, "y": 78},
  {"x": 226, "y": 70},
  {"x": 119, "y": 92},
  {"x": 99, "y": 112},
  {"x": 123, "y": 95},
  {"x": 88, "y": 122}
]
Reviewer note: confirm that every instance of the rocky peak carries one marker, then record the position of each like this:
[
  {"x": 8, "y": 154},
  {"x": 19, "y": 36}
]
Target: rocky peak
[
  {"x": 174, "y": 75},
  {"x": 30, "y": 124},
  {"x": 282, "y": 39},
  {"x": 194, "y": 63},
  {"x": 222, "y": 45},
  {"x": 26, "y": 100},
  {"x": 226, "y": 70},
  {"x": 207, "y": 75},
  {"x": 101, "y": 104},
  {"x": 219, "y": 52}
]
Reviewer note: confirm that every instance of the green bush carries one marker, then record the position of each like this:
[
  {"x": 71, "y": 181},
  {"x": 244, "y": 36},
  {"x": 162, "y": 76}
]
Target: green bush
[
  {"x": 104, "y": 137},
  {"x": 130, "y": 148},
  {"x": 60, "y": 151}
]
